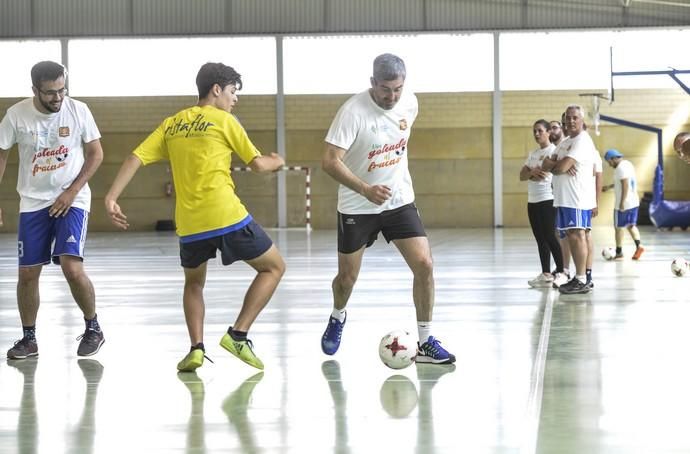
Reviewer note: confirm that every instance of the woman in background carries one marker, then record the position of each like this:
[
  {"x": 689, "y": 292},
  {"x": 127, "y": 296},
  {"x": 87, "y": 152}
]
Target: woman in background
[{"x": 540, "y": 210}]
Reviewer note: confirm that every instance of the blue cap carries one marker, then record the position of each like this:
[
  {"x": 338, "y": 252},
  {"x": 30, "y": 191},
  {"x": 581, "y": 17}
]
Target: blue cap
[{"x": 612, "y": 153}]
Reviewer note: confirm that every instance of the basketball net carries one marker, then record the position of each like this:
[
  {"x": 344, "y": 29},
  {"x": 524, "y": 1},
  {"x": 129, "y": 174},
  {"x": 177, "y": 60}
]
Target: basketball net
[{"x": 592, "y": 114}]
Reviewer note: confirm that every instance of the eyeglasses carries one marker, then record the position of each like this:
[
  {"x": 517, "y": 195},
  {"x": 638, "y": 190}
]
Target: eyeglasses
[{"x": 53, "y": 93}]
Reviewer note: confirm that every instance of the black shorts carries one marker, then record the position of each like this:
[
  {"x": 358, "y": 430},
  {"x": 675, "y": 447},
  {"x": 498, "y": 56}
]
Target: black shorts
[
  {"x": 247, "y": 243},
  {"x": 357, "y": 230}
]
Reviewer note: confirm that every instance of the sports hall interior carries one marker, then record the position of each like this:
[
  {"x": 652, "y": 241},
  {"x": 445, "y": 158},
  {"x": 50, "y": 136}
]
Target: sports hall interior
[{"x": 536, "y": 372}]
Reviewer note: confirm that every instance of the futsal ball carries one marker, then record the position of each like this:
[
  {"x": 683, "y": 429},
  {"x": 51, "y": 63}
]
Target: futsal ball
[
  {"x": 679, "y": 266},
  {"x": 398, "y": 396},
  {"x": 398, "y": 349},
  {"x": 608, "y": 253}
]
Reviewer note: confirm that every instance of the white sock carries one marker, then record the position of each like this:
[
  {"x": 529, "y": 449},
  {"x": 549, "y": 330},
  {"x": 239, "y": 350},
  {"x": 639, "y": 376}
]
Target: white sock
[
  {"x": 566, "y": 271},
  {"x": 582, "y": 279},
  {"x": 424, "y": 329},
  {"x": 339, "y": 314}
]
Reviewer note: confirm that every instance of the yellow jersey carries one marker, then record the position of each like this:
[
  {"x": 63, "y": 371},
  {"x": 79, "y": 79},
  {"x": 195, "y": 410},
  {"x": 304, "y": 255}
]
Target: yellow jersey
[{"x": 198, "y": 142}]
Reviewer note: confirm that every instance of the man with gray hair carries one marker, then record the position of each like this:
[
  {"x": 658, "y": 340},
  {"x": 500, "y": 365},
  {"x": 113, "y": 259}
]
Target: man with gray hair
[
  {"x": 366, "y": 152},
  {"x": 573, "y": 188}
]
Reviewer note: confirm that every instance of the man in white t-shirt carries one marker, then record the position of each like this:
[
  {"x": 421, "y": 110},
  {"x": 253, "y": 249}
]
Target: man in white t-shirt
[
  {"x": 627, "y": 201},
  {"x": 573, "y": 186},
  {"x": 557, "y": 139},
  {"x": 59, "y": 151},
  {"x": 366, "y": 152}
]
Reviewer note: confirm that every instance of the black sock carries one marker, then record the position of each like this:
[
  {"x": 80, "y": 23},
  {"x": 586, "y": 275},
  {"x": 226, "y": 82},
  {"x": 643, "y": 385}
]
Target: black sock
[
  {"x": 93, "y": 324},
  {"x": 637, "y": 243},
  {"x": 199, "y": 346},
  {"x": 30, "y": 332},
  {"x": 237, "y": 335},
  {"x": 589, "y": 274},
  {"x": 619, "y": 250}
]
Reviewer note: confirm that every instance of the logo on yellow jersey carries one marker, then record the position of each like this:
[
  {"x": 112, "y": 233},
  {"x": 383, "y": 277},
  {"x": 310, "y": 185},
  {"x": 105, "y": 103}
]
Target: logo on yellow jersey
[{"x": 198, "y": 125}]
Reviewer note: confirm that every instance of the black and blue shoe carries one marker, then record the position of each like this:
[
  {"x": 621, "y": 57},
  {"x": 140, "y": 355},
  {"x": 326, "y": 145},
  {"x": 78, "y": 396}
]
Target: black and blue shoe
[{"x": 432, "y": 352}]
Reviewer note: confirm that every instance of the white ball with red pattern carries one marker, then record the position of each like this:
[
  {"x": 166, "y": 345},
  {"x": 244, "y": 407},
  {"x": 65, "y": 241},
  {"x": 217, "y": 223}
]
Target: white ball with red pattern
[{"x": 398, "y": 349}]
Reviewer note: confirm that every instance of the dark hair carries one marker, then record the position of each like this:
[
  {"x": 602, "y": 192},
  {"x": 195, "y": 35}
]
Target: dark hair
[
  {"x": 389, "y": 67},
  {"x": 46, "y": 70},
  {"x": 216, "y": 73},
  {"x": 542, "y": 122}
]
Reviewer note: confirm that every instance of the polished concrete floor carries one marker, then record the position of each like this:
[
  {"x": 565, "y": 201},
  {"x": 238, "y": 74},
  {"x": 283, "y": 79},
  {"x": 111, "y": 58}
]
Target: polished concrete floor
[{"x": 536, "y": 372}]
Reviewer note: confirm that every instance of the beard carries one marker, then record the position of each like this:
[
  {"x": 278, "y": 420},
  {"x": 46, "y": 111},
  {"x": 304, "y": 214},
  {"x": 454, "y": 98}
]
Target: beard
[{"x": 51, "y": 106}]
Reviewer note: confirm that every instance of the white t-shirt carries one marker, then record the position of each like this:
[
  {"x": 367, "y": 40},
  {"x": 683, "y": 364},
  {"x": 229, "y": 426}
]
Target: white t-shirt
[
  {"x": 598, "y": 168},
  {"x": 51, "y": 150},
  {"x": 624, "y": 170},
  {"x": 556, "y": 182},
  {"x": 539, "y": 191},
  {"x": 576, "y": 191},
  {"x": 376, "y": 143}
]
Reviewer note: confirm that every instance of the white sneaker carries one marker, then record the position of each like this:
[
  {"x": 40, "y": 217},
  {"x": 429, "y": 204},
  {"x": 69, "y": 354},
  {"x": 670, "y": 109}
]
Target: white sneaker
[
  {"x": 559, "y": 279},
  {"x": 541, "y": 281}
]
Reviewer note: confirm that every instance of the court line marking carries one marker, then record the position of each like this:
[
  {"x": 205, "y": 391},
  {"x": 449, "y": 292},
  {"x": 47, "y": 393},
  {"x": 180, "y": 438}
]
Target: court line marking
[{"x": 534, "y": 401}]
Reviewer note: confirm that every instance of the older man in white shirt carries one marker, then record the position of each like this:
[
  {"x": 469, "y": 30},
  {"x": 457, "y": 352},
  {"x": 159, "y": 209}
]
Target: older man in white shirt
[{"x": 572, "y": 180}]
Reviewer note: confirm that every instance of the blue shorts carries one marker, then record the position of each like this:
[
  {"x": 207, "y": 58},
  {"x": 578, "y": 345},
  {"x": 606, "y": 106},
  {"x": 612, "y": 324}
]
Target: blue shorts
[
  {"x": 572, "y": 218},
  {"x": 625, "y": 218},
  {"x": 38, "y": 233},
  {"x": 246, "y": 243}
]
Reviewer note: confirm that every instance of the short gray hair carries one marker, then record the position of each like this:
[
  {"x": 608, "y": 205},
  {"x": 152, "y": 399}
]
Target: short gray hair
[
  {"x": 389, "y": 67},
  {"x": 576, "y": 107}
]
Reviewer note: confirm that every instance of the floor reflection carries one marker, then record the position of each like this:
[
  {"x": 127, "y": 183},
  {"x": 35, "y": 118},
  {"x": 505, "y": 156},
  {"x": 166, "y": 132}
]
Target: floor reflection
[
  {"x": 428, "y": 376},
  {"x": 235, "y": 408},
  {"x": 196, "y": 435},
  {"x": 572, "y": 396},
  {"x": 398, "y": 396},
  {"x": 331, "y": 372},
  {"x": 84, "y": 435},
  {"x": 27, "y": 423}
]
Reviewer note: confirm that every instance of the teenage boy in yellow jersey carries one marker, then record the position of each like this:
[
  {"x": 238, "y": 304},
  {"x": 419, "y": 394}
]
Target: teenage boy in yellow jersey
[{"x": 198, "y": 142}]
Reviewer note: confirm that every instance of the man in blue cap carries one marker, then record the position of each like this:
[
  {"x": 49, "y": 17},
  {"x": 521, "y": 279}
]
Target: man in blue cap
[{"x": 627, "y": 201}]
